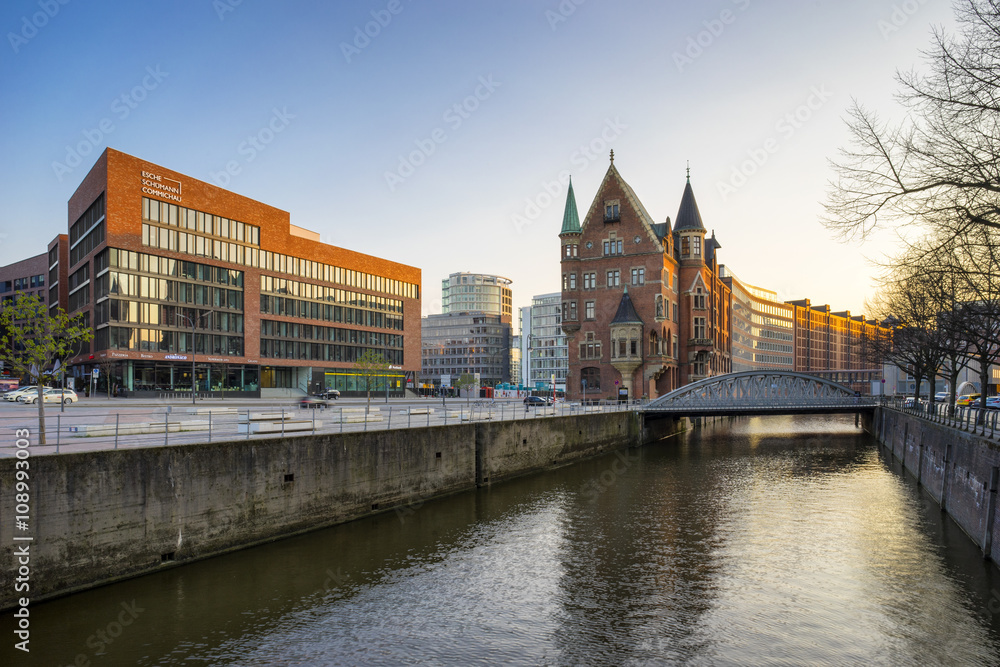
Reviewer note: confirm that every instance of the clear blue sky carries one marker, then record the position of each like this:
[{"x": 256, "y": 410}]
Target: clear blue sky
[{"x": 486, "y": 103}]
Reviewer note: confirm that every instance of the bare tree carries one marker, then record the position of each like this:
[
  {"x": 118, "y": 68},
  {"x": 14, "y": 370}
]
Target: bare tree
[
  {"x": 370, "y": 366},
  {"x": 941, "y": 165}
]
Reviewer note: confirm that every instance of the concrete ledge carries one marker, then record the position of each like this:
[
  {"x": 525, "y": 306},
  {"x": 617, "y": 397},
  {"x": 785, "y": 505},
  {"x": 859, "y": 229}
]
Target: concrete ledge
[
  {"x": 143, "y": 428},
  {"x": 278, "y": 426},
  {"x": 213, "y": 411},
  {"x": 419, "y": 411}
]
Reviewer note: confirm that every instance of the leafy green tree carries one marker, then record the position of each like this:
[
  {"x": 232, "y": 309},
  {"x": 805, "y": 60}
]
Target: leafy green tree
[
  {"x": 371, "y": 365},
  {"x": 32, "y": 340},
  {"x": 466, "y": 382}
]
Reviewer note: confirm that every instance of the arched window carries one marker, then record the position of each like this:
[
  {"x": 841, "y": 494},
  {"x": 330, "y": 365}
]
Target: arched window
[{"x": 590, "y": 379}]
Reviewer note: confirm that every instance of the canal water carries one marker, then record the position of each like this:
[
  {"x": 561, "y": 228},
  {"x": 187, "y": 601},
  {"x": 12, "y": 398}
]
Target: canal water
[{"x": 764, "y": 541}]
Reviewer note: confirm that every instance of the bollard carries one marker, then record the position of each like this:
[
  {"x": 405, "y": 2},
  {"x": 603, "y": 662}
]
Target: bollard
[
  {"x": 210, "y": 427},
  {"x": 314, "y": 421},
  {"x": 166, "y": 429},
  {"x": 248, "y": 423},
  {"x": 117, "y": 419},
  {"x": 282, "y": 422},
  {"x": 341, "y": 419},
  {"x": 389, "y": 424},
  {"x": 58, "y": 430}
]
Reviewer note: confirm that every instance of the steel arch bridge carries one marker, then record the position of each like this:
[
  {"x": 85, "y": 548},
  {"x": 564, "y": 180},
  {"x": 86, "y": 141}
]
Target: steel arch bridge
[{"x": 760, "y": 392}]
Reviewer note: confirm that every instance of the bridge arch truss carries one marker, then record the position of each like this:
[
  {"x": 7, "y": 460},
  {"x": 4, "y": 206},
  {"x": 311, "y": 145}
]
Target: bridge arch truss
[{"x": 761, "y": 392}]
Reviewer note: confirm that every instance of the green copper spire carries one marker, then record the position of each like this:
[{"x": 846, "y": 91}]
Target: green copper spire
[{"x": 571, "y": 219}]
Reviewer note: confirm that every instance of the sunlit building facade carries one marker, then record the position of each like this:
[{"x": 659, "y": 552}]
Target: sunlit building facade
[{"x": 170, "y": 270}]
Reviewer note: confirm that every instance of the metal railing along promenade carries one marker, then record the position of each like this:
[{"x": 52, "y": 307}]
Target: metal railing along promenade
[
  {"x": 979, "y": 421},
  {"x": 76, "y": 430}
]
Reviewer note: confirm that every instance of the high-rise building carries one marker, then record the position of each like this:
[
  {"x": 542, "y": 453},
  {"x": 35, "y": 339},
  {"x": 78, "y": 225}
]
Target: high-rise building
[
  {"x": 477, "y": 292},
  {"x": 548, "y": 353}
]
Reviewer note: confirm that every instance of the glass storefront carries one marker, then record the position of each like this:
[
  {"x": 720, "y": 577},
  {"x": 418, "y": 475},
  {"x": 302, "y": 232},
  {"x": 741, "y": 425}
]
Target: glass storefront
[{"x": 136, "y": 378}]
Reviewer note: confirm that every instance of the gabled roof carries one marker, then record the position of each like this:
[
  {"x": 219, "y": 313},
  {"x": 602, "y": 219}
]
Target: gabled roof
[
  {"x": 688, "y": 216},
  {"x": 571, "y": 219},
  {"x": 597, "y": 206},
  {"x": 626, "y": 311}
]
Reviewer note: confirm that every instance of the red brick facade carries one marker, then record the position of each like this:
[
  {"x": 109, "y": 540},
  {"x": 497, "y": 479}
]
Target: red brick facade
[
  {"x": 676, "y": 292},
  {"x": 125, "y": 181}
]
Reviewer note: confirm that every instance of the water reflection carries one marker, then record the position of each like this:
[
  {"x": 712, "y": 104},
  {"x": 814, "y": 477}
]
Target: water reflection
[{"x": 761, "y": 541}]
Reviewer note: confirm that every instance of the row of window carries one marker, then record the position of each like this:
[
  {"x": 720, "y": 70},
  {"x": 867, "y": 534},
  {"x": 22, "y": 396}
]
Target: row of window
[
  {"x": 84, "y": 223},
  {"x": 116, "y": 283},
  {"x": 276, "y": 305},
  {"x": 612, "y": 279},
  {"x": 296, "y": 349},
  {"x": 174, "y": 240},
  {"x": 87, "y": 244},
  {"x": 159, "y": 314},
  {"x": 285, "y": 287},
  {"x": 275, "y": 329},
  {"x": 165, "y": 266},
  {"x": 196, "y": 221},
  {"x": 159, "y": 340}
]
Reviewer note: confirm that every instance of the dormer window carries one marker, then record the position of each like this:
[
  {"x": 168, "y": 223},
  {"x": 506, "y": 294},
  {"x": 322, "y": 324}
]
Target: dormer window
[{"x": 611, "y": 213}]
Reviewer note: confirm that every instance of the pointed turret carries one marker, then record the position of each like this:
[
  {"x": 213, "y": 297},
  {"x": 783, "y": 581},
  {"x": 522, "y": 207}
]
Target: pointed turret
[
  {"x": 688, "y": 216},
  {"x": 571, "y": 219},
  {"x": 626, "y": 311}
]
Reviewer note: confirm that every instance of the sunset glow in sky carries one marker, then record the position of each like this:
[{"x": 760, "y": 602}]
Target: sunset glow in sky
[{"x": 440, "y": 134}]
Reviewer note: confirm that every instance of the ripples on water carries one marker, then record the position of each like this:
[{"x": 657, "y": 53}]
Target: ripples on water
[{"x": 759, "y": 542}]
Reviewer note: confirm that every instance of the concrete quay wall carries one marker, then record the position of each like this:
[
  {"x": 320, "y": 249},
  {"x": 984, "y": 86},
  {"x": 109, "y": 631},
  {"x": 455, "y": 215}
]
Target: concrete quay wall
[
  {"x": 102, "y": 516},
  {"x": 960, "y": 469}
]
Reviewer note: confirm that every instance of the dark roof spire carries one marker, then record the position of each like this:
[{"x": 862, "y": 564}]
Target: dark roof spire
[
  {"x": 612, "y": 156},
  {"x": 689, "y": 171},
  {"x": 626, "y": 311},
  {"x": 571, "y": 219},
  {"x": 688, "y": 216}
]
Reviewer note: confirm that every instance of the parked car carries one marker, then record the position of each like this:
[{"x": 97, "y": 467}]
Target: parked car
[
  {"x": 51, "y": 395},
  {"x": 966, "y": 399},
  {"x": 12, "y": 395},
  {"x": 536, "y": 401},
  {"x": 940, "y": 397},
  {"x": 312, "y": 402},
  {"x": 993, "y": 402},
  {"x": 908, "y": 402}
]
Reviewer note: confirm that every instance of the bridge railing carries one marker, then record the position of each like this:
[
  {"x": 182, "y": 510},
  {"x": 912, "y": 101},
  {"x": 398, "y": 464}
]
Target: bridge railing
[
  {"x": 980, "y": 421},
  {"x": 767, "y": 404}
]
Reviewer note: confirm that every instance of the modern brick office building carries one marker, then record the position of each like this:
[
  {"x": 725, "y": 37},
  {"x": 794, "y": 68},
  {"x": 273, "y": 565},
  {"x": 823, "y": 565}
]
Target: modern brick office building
[
  {"x": 169, "y": 269},
  {"x": 644, "y": 307}
]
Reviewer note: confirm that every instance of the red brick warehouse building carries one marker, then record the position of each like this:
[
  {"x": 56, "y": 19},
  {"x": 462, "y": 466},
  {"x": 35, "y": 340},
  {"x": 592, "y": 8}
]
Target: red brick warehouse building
[
  {"x": 644, "y": 307},
  {"x": 169, "y": 269}
]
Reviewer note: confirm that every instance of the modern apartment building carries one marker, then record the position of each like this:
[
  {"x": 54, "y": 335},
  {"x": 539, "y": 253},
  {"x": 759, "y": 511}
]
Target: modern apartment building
[
  {"x": 171, "y": 270},
  {"x": 477, "y": 292},
  {"x": 547, "y": 350},
  {"x": 763, "y": 334},
  {"x": 456, "y": 344}
]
